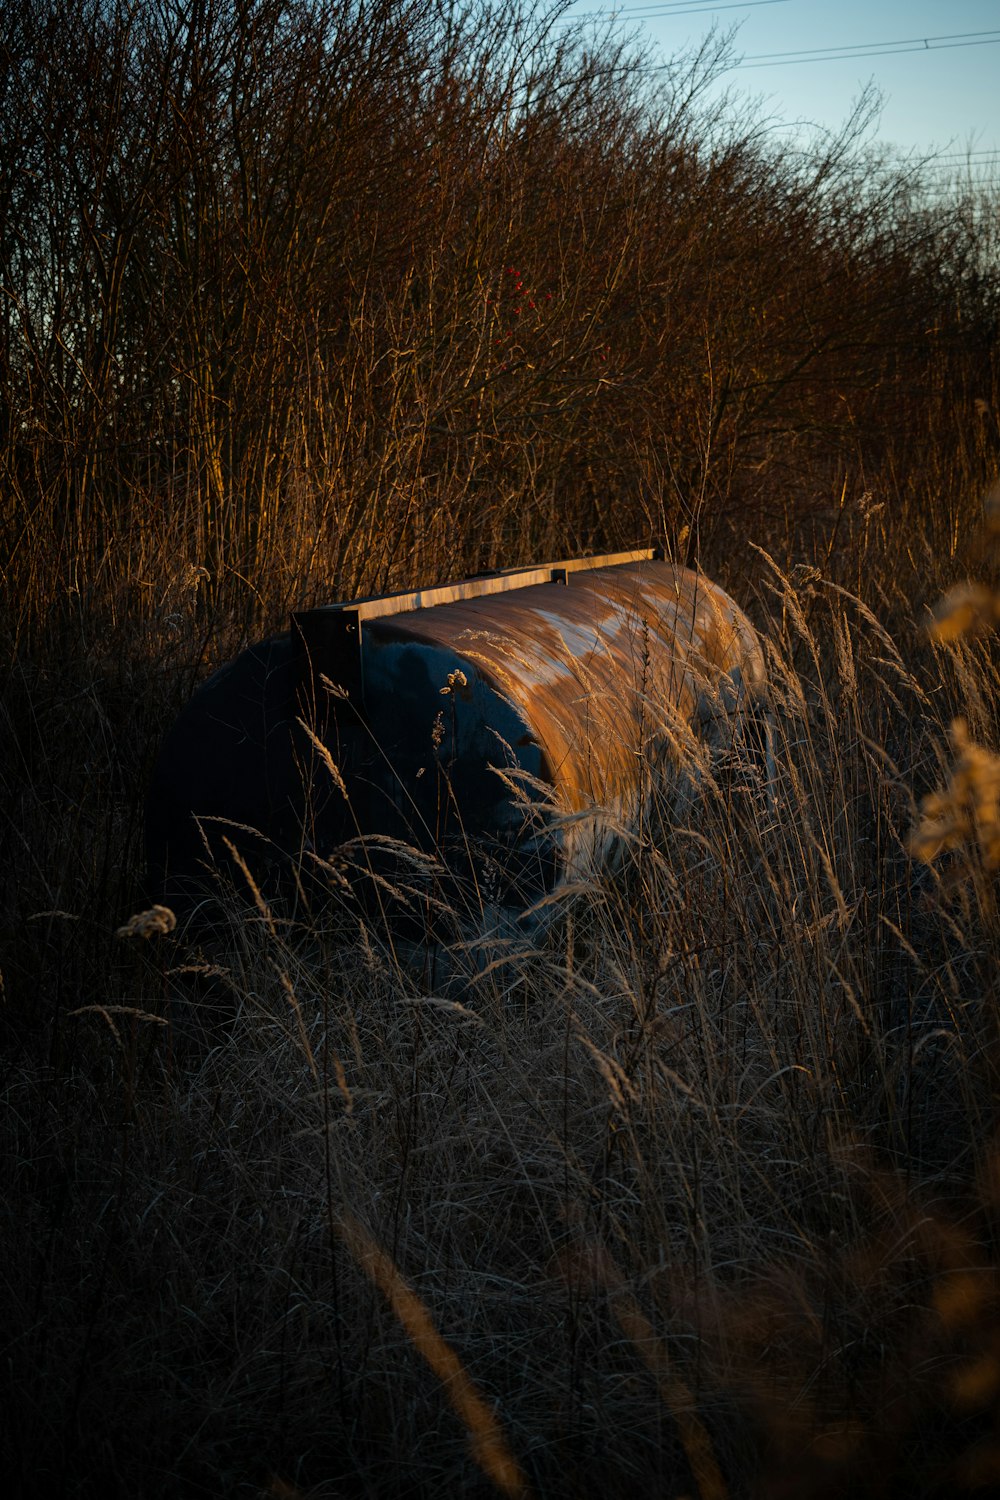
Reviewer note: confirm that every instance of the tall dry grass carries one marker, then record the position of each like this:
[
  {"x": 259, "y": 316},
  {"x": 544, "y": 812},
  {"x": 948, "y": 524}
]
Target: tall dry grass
[{"x": 697, "y": 1192}]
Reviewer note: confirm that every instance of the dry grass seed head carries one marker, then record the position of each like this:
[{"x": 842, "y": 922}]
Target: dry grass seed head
[
  {"x": 966, "y": 813},
  {"x": 967, "y": 609},
  {"x": 154, "y": 922}
]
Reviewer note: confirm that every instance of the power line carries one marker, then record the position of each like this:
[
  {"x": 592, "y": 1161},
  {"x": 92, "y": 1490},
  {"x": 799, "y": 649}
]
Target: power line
[
  {"x": 924, "y": 41},
  {"x": 988, "y": 151},
  {"x": 983, "y": 170},
  {"x": 653, "y": 12},
  {"x": 845, "y": 53},
  {"x": 870, "y": 49},
  {"x": 946, "y": 164}
]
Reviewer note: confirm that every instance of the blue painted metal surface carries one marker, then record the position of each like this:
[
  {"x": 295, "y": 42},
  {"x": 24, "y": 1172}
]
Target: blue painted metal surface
[{"x": 501, "y": 726}]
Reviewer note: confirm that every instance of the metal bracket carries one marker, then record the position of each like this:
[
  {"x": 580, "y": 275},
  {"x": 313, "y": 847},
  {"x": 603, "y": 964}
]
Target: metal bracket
[{"x": 330, "y": 640}]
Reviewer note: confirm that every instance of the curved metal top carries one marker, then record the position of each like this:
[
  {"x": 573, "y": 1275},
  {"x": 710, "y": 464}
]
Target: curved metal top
[
  {"x": 606, "y": 666},
  {"x": 605, "y": 669}
]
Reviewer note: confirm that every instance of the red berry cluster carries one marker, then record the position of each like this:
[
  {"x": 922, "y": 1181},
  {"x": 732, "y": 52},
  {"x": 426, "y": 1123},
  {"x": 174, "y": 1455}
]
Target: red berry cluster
[{"x": 512, "y": 301}]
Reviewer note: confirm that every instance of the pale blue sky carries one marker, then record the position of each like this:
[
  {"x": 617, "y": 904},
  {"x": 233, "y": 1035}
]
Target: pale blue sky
[{"x": 946, "y": 99}]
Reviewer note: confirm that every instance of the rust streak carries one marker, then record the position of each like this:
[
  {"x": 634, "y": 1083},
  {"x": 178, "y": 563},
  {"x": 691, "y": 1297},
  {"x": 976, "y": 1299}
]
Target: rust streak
[{"x": 605, "y": 668}]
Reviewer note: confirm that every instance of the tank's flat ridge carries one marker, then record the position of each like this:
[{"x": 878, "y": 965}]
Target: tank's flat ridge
[{"x": 379, "y": 606}]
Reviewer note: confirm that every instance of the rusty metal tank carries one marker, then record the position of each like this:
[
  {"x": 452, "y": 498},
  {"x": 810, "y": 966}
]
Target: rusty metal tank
[{"x": 499, "y": 727}]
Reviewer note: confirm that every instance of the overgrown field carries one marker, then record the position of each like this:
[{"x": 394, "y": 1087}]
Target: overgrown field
[{"x": 698, "y": 1193}]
